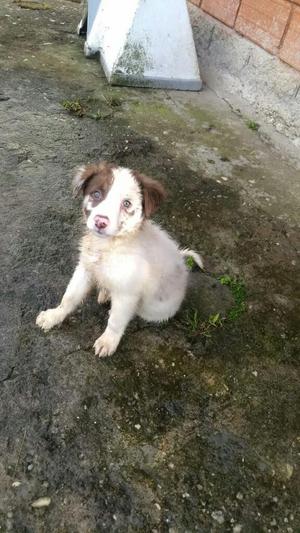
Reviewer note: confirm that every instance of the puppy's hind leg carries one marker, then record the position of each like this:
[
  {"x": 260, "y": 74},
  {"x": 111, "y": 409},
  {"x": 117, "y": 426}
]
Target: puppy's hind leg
[{"x": 78, "y": 288}]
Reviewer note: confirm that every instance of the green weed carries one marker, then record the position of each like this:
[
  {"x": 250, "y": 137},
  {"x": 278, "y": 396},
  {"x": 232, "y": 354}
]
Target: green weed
[
  {"x": 192, "y": 320},
  {"x": 252, "y": 125},
  {"x": 89, "y": 109},
  {"x": 112, "y": 101},
  {"x": 190, "y": 263},
  {"x": 75, "y": 107},
  {"x": 194, "y": 325},
  {"x": 238, "y": 291}
]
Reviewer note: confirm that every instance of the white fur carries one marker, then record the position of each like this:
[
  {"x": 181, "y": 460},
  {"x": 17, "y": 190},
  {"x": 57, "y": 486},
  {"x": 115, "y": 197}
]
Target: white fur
[{"x": 133, "y": 262}]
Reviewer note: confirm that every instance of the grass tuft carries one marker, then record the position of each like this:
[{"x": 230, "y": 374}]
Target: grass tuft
[
  {"x": 196, "y": 327},
  {"x": 75, "y": 107},
  {"x": 252, "y": 125},
  {"x": 91, "y": 108},
  {"x": 238, "y": 291},
  {"x": 190, "y": 263}
]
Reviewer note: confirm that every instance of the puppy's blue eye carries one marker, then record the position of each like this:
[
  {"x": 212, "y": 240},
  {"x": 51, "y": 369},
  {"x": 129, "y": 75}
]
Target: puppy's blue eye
[
  {"x": 126, "y": 203},
  {"x": 97, "y": 195}
]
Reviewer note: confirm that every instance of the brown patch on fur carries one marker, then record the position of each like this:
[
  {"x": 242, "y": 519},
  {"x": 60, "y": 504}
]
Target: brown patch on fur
[
  {"x": 94, "y": 177},
  {"x": 153, "y": 193}
]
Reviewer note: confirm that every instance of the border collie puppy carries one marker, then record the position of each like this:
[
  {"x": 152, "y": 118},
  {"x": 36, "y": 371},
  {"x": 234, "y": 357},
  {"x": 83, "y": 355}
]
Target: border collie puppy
[{"x": 131, "y": 260}]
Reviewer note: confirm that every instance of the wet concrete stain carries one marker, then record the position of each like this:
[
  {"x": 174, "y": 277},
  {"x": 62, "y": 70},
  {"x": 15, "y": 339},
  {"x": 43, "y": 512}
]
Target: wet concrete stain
[{"x": 176, "y": 432}]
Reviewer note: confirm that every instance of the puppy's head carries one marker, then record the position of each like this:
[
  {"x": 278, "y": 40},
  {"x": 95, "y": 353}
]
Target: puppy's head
[{"x": 116, "y": 199}]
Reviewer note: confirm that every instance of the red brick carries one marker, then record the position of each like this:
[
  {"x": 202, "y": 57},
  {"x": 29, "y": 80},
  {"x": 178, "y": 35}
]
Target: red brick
[
  {"x": 224, "y": 10},
  {"x": 263, "y": 21},
  {"x": 290, "y": 51},
  {"x": 296, "y": 2}
]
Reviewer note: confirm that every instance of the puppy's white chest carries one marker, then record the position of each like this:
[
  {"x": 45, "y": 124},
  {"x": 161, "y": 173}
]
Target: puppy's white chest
[
  {"x": 93, "y": 258},
  {"x": 107, "y": 270}
]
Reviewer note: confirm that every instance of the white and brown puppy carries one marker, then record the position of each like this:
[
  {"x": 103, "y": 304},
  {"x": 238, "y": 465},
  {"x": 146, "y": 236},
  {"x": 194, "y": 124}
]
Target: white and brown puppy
[{"x": 132, "y": 261}]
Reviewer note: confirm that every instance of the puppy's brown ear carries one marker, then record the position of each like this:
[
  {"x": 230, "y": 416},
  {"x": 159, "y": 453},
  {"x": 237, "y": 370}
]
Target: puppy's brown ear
[
  {"x": 153, "y": 193},
  {"x": 82, "y": 176}
]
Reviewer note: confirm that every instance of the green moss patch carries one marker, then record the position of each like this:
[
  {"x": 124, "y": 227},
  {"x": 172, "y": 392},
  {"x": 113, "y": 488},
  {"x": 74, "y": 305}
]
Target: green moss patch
[
  {"x": 252, "y": 125},
  {"x": 238, "y": 291},
  {"x": 92, "y": 108}
]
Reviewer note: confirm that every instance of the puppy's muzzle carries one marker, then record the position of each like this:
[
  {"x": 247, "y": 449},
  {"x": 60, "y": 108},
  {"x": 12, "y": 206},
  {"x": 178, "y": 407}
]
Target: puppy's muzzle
[{"x": 101, "y": 222}]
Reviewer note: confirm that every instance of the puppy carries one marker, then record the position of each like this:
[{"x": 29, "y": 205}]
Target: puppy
[{"x": 133, "y": 262}]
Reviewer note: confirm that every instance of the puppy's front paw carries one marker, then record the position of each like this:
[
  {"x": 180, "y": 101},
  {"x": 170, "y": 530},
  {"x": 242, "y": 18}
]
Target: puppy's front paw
[
  {"x": 48, "y": 319},
  {"x": 106, "y": 344}
]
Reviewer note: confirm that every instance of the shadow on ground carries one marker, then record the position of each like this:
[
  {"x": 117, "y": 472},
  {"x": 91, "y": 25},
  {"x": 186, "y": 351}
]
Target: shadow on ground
[{"x": 192, "y": 425}]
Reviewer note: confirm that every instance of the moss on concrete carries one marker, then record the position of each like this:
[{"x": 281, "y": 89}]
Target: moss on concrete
[{"x": 134, "y": 60}]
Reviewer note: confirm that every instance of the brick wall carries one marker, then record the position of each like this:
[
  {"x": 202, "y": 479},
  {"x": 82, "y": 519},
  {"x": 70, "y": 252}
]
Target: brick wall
[{"x": 272, "y": 24}]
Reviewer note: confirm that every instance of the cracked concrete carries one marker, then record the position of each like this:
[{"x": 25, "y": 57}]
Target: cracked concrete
[{"x": 184, "y": 428}]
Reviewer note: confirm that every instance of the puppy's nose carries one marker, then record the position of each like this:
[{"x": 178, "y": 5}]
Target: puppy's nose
[{"x": 101, "y": 222}]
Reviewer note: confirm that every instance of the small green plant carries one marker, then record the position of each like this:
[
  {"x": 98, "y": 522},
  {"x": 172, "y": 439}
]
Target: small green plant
[
  {"x": 197, "y": 328},
  {"x": 90, "y": 109},
  {"x": 98, "y": 115},
  {"x": 112, "y": 101},
  {"x": 252, "y": 125},
  {"x": 74, "y": 107},
  {"x": 215, "y": 320},
  {"x": 238, "y": 291},
  {"x": 192, "y": 320},
  {"x": 190, "y": 263}
]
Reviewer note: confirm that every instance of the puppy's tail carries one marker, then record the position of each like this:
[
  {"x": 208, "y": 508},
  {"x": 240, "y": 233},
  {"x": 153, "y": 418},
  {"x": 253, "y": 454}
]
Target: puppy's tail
[{"x": 197, "y": 258}]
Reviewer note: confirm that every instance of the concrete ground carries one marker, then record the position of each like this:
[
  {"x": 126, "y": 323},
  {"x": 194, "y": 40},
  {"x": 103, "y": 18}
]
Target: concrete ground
[
  {"x": 251, "y": 80},
  {"x": 192, "y": 425}
]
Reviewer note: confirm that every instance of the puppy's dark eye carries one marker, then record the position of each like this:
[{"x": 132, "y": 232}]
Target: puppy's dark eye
[
  {"x": 126, "y": 203},
  {"x": 97, "y": 195}
]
